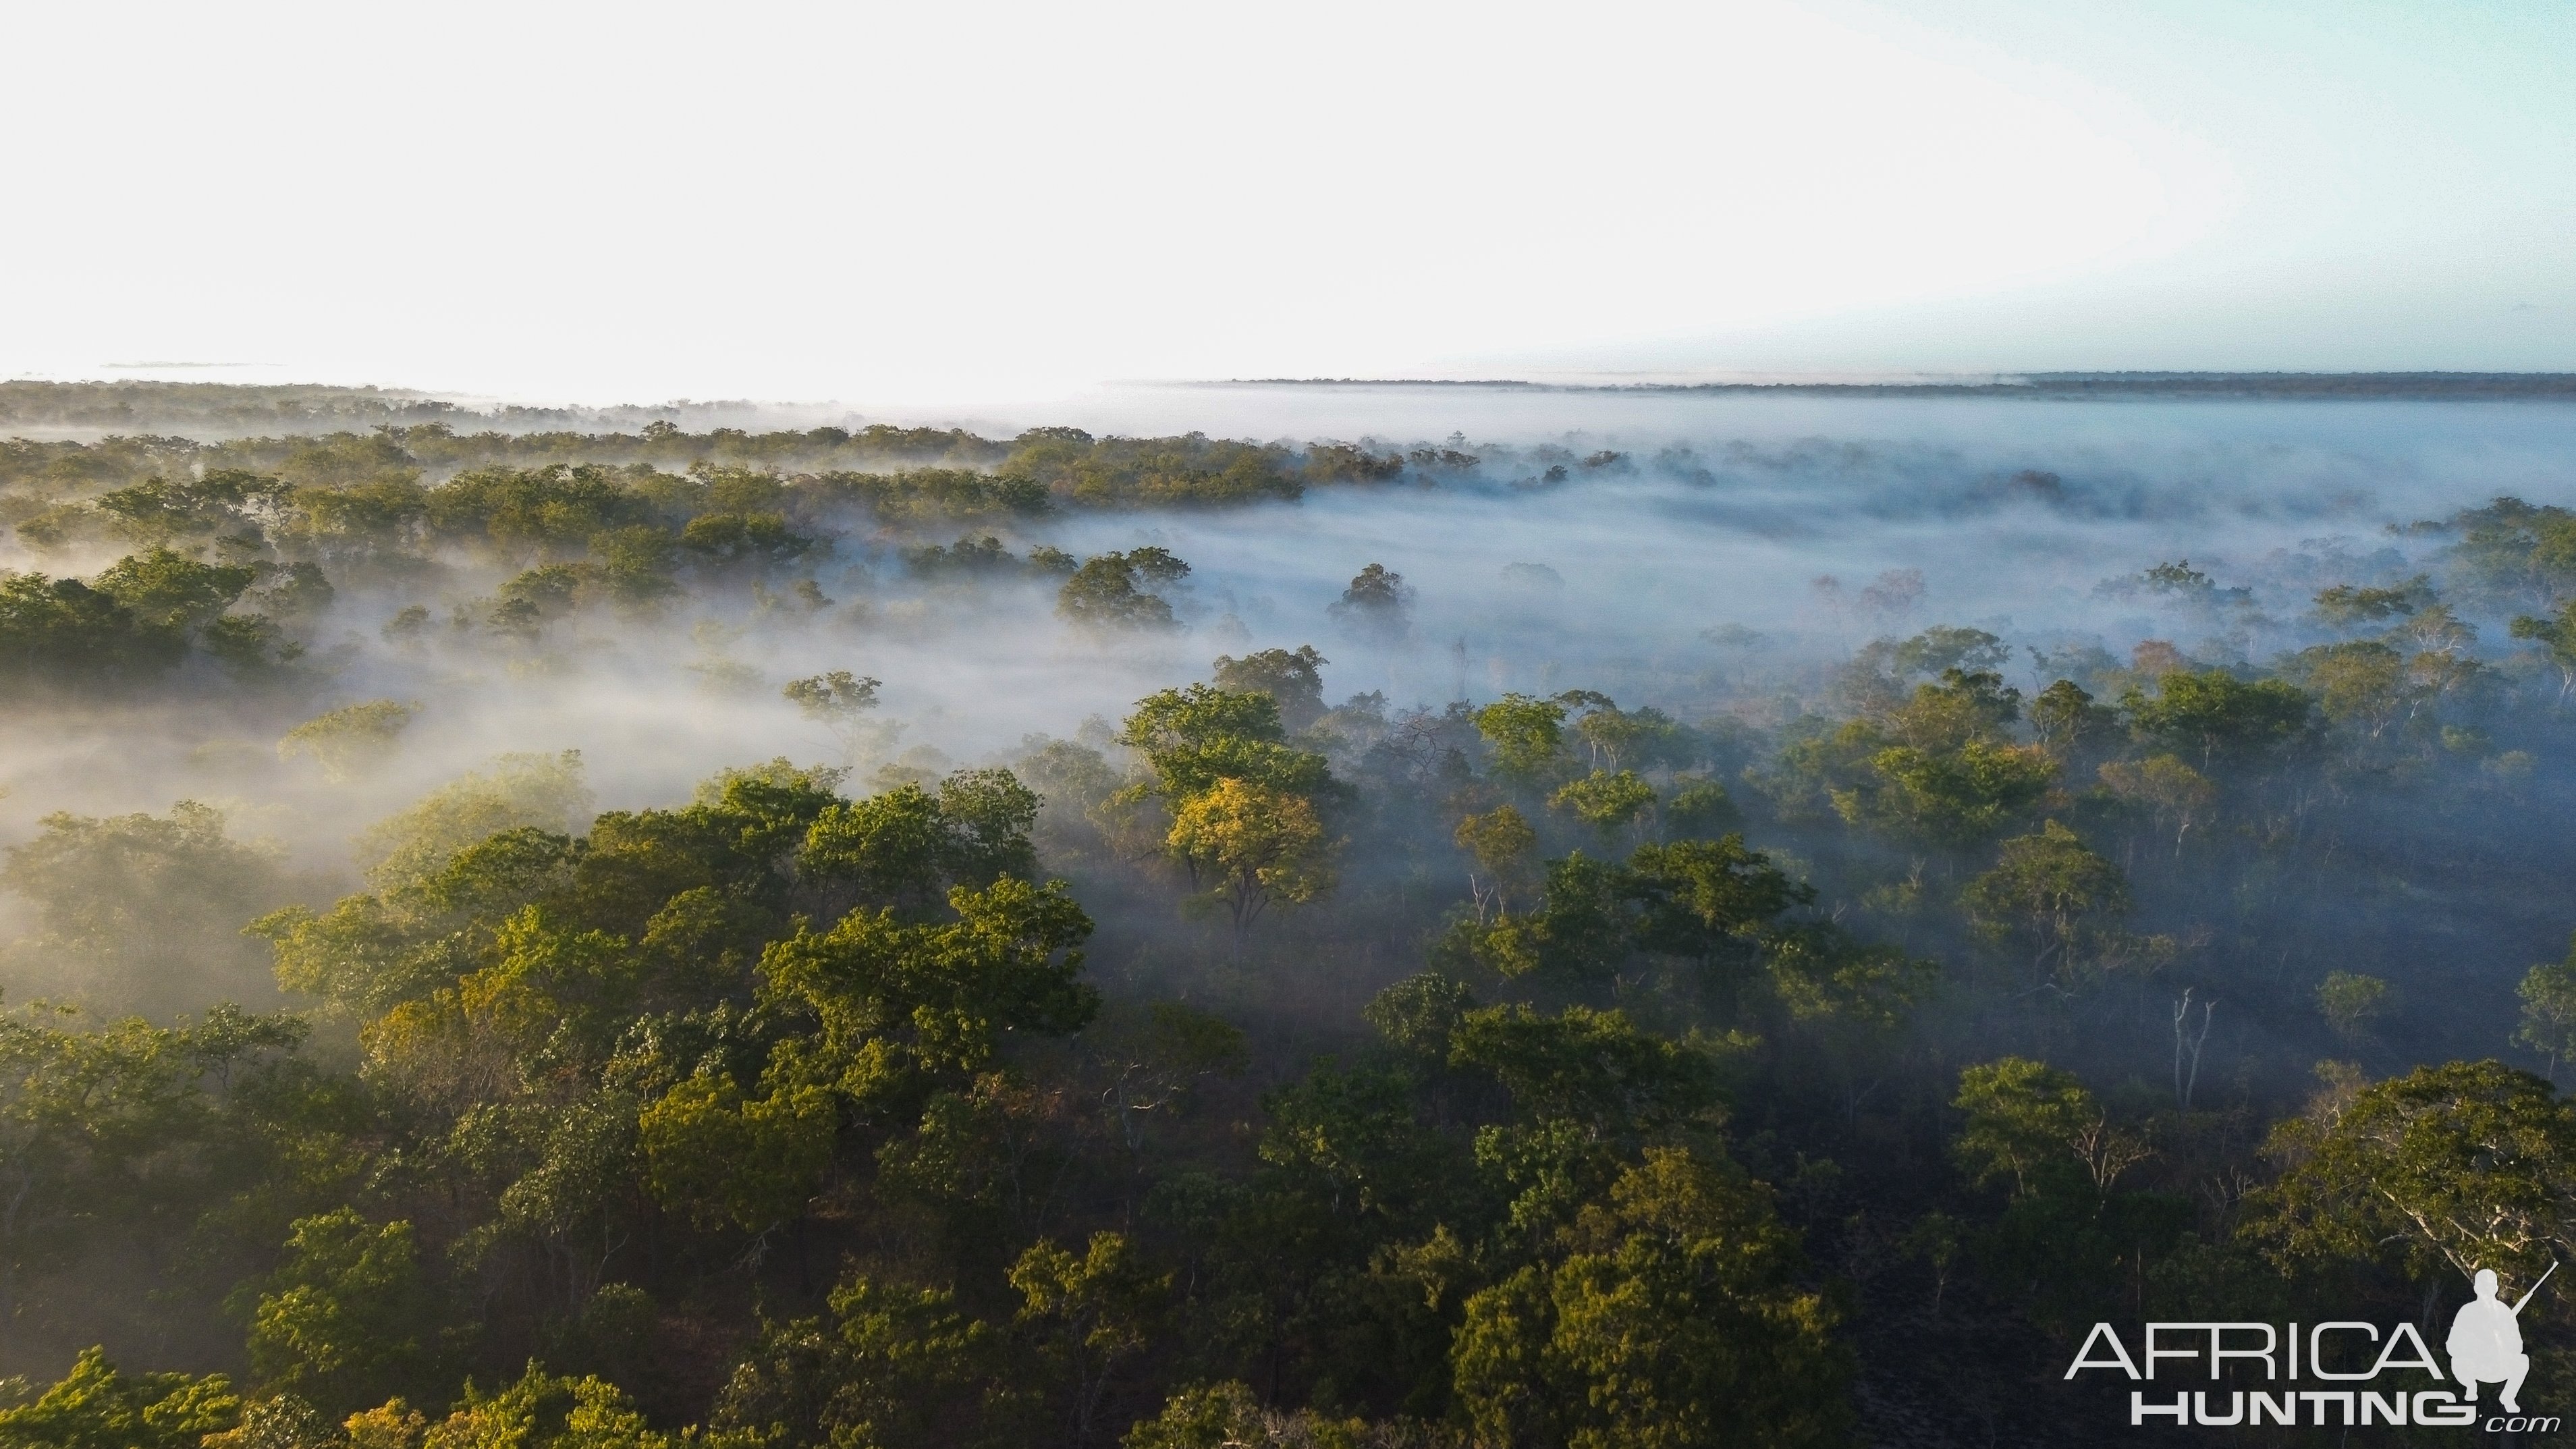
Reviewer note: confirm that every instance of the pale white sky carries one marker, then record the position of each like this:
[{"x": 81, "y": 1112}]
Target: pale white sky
[{"x": 987, "y": 201}]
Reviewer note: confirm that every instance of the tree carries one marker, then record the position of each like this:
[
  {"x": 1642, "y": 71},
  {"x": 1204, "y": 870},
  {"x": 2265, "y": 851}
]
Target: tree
[
  {"x": 2448, "y": 1169},
  {"x": 143, "y": 910},
  {"x": 346, "y": 740},
  {"x": 893, "y": 1367},
  {"x": 1954, "y": 799},
  {"x": 2219, "y": 717},
  {"x": 539, "y": 1411},
  {"x": 745, "y": 544},
  {"x": 1376, "y": 605},
  {"x": 95, "y": 1407},
  {"x": 2344, "y": 606},
  {"x": 2361, "y": 684},
  {"x": 2556, "y": 636},
  {"x": 1259, "y": 844},
  {"x": 545, "y": 791},
  {"x": 843, "y": 703},
  {"x": 1705, "y": 898},
  {"x": 1114, "y": 591},
  {"x": 1608, "y": 803},
  {"x": 893, "y": 848},
  {"x": 1292, "y": 678},
  {"x": 2174, "y": 792},
  {"x": 2047, "y": 889},
  {"x": 722, "y": 1160},
  {"x": 899, "y": 1006},
  {"x": 989, "y": 814},
  {"x": 1676, "y": 1320},
  {"x": 1092, "y": 1313},
  {"x": 1597, "y": 1070},
  {"x": 1627, "y": 738},
  {"x": 2039, "y": 1127},
  {"x": 60, "y": 634},
  {"x": 1526, "y": 735},
  {"x": 2066, "y": 719},
  {"x": 1501, "y": 842},
  {"x": 2548, "y": 994},
  {"x": 1199, "y": 735},
  {"x": 347, "y": 1321},
  {"x": 2350, "y": 1002},
  {"x": 1700, "y": 809},
  {"x": 171, "y": 592}
]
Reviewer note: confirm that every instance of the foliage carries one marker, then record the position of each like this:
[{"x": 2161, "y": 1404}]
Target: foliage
[
  {"x": 2219, "y": 718},
  {"x": 1114, "y": 591},
  {"x": 1259, "y": 845},
  {"x": 1674, "y": 1320},
  {"x": 1292, "y": 678},
  {"x": 346, "y": 740},
  {"x": 2048, "y": 890},
  {"x": 2349, "y": 1001},
  {"x": 95, "y": 1407},
  {"x": 341, "y": 1325},
  {"x": 2455, "y": 1167},
  {"x": 132, "y": 906}
]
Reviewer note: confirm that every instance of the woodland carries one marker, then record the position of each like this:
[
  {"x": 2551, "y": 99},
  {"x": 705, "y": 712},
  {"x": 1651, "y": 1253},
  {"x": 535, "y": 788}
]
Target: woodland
[{"x": 1803, "y": 1045}]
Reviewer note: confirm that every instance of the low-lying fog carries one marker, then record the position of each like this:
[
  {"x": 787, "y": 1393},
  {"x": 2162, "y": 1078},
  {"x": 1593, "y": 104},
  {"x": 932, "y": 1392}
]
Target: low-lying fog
[{"x": 1622, "y": 576}]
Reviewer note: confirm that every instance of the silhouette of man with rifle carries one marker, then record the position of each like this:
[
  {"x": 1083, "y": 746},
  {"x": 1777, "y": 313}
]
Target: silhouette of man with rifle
[{"x": 2486, "y": 1341}]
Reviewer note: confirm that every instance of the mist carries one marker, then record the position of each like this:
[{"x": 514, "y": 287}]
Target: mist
[
  {"x": 1715, "y": 512},
  {"x": 1752, "y": 613}
]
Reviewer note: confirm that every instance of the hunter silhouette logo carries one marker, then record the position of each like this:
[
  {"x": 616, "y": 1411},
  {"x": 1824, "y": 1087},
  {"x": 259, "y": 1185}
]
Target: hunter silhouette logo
[
  {"x": 2486, "y": 1342},
  {"x": 2341, "y": 1357}
]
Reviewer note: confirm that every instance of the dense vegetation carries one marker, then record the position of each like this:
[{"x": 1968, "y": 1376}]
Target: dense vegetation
[{"x": 1544, "y": 1069}]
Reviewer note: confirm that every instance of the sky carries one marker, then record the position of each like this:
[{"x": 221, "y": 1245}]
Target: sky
[{"x": 987, "y": 202}]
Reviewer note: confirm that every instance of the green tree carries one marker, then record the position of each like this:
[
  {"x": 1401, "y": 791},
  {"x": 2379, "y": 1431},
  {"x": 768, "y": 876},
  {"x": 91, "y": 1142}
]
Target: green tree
[
  {"x": 2040, "y": 1128},
  {"x": 1257, "y": 844},
  {"x": 1199, "y": 735},
  {"x": 1526, "y": 736},
  {"x": 1950, "y": 799},
  {"x": 347, "y": 740},
  {"x": 1700, "y": 809},
  {"x": 348, "y": 1320},
  {"x": 2344, "y": 606},
  {"x": 1502, "y": 844},
  {"x": 61, "y": 634},
  {"x": 1091, "y": 1313},
  {"x": 2350, "y": 1002},
  {"x": 899, "y": 1006},
  {"x": 2176, "y": 794},
  {"x": 1608, "y": 803},
  {"x": 845, "y": 704},
  {"x": 545, "y": 791},
  {"x": 142, "y": 910},
  {"x": 2548, "y": 1024},
  {"x": 1292, "y": 678},
  {"x": 539, "y": 1411},
  {"x": 172, "y": 592},
  {"x": 892, "y": 1368},
  {"x": 1677, "y": 1319},
  {"x": 2066, "y": 719},
  {"x": 1114, "y": 591},
  {"x": 2445, "y": 1170},
  {"x": 2217, "y": 716},
  {"x": 95, "y": 1407},
  {"x": 1376, "y": 605},
  {"x": 721, "y": 1159},
  {"x": 2556, "y": 636},
  {"x": 2048, "y": 890}
]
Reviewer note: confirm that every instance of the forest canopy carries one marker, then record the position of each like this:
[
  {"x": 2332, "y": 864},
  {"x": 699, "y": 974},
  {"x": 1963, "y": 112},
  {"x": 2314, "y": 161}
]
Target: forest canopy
[{"x": 587, "y": 931}]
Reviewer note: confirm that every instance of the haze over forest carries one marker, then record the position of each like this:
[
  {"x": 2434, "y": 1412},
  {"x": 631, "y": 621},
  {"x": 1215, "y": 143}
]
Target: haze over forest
[{"x": 1255, "y": 914}]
